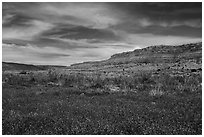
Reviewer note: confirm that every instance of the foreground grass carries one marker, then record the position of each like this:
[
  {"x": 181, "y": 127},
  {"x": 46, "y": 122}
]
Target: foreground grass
[
  {"x": 140, "y": 104},
  {"x": 65, "y": 111}
]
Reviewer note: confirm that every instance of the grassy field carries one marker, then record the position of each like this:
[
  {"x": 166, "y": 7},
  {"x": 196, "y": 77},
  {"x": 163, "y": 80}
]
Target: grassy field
[{"x": 48, "y": 102}]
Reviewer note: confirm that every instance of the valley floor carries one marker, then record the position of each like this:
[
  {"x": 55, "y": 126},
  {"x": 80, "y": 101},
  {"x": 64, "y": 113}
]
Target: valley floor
[{"x": 84, "y": 104}]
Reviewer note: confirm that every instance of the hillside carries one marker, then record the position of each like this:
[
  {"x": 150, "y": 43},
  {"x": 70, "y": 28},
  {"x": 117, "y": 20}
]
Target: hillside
[
  {"x": 159, "y": 55},
  {"x": 18, "y": 66}
]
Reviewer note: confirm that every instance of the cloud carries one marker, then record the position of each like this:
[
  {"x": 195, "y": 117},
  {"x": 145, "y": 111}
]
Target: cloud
[
  {"x": 196, "y": 23},
  {"x": 161, "y": 11},
  {"x": 162, "y": 17},
  {"x": 34, "y": 50},
  {"x": 95, "y": 15},
  {"x": 34, "y": 28},
  {"x": 129, "y": 17},
  {"x": 7, "y": 18},
  {"x": 191, "y": 28},
  {"x": 80, "y": 32},
  {"x": 151, "y": 40},
  {"x": 33, "y": 54},
  {"x": 170, "y": 31}
]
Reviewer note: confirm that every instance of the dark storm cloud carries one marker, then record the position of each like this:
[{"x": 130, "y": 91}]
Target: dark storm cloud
[
  {"x": 14, "y": 20},
  {"x": 163, "y": 11},
  {"x": 176, "y": 19},
  {"x": 80, "y": 32},
  {"x": 67, "y": 21}
]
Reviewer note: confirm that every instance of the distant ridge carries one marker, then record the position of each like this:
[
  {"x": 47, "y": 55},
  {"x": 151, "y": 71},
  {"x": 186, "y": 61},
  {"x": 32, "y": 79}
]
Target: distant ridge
[
  {"x": 21, "y": 66},
  {"x": 18, "y": 66},
  {"x": 152, "y": 54}
]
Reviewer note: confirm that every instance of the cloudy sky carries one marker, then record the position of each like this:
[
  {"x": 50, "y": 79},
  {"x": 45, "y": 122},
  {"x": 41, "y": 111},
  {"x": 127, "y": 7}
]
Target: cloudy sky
[{"x": 67, "y": 33}]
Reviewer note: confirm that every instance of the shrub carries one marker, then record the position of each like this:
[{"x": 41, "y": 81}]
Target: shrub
[
  {"x": 145, "y": 78},
  {"x": 52, "y": 75},
  {"x": 23, "y": 72}
]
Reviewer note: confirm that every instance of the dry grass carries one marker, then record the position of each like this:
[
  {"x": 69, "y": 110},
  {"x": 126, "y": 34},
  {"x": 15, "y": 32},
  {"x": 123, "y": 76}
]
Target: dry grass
[{"x": 95, "y": 103}]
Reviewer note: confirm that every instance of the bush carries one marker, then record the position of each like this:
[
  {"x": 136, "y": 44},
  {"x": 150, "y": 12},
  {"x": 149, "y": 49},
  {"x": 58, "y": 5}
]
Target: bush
[{"x": 23, "y": 72}]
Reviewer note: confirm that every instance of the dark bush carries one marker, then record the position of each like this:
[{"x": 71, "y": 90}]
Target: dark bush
[
  {"x": 23, "y": 72},
  {"x": 193, "y": 70}
]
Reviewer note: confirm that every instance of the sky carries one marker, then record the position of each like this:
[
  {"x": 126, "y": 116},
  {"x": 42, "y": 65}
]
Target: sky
[{"x": 67, "y": 33}]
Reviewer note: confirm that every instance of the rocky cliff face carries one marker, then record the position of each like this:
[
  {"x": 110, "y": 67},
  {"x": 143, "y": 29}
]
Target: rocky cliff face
[{"x": 151, "y": 55}]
